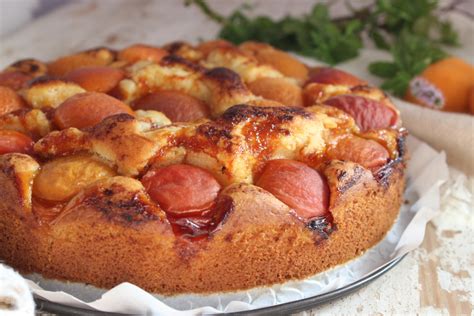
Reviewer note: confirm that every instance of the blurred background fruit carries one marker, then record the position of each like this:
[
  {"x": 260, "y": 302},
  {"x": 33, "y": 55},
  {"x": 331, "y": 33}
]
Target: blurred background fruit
[{"x": 445, "y": 85}]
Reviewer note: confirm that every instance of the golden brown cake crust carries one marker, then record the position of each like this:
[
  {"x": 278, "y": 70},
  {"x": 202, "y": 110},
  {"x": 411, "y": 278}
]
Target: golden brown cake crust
[
  {"x": 260, "y": 242},
  {"x": 112, "y": 230}
]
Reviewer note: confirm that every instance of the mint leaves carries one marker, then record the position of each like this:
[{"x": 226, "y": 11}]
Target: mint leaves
[{"x": 313, "y": 35}]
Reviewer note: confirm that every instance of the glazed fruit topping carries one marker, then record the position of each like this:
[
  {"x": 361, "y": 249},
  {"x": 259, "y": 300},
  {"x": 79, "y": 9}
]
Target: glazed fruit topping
[
  {"x": 62, "y": 178},
  {"x": 87, "y": 109},
  {"x": 369, "y": 114},
  {"x": 10, "y": 101},
  {"x": 177, "y": 106},
  {"x": 96, "y": 79},
  {"x": 200, "y": 226},
  {"x": 365, "y": 152},
  {"x": 14, "y": 142},
  {"x": 297, "y": 185},
  {"x": 139, "y": 52},
  {"x": 277, "y": 89},
  {"x": 328, "y": 75},
  {"x": 14, "y": 79},
  {"x": 181, "y": 189},
  {"x": 188, "y": 196}
]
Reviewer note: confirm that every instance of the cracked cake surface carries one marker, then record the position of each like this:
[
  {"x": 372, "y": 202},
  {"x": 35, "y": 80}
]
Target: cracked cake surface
[{"x": 193, "y": 169}]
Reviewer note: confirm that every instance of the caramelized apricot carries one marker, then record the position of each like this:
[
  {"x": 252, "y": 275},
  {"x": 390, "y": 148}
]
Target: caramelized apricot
[
  {"x": 313, "y": 93},
  {"x": 297, "y": 185},
  {"x": 209, "y": 46},
  {"x": 14, "y": 79},
  {"x": 29, "y": 66},
  {"x": 182, "y": 190},
  {"x": 328, "y": 75},
  {"x": 87, "y": 109},
  {"x": 278, "y": 89},
  {"x": 284, "y": 63},
  {"x": 14, "y": 142},
  {"x": 365, "y": 152},
  {"x": 177, "y": 106},
  {"x": 96, "y": 79},
  {"x": 254, "y": 47},
  {"x": 9, "y": 101},
  {"x": 62, "y": 178},
  {"x": 138, "y": 52},
  {"x": 64, "y": 65},
  {"x": 368, "y": 114}
]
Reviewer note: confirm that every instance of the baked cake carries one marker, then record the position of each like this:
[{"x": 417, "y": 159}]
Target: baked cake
[{"x": 198, "y": 169}]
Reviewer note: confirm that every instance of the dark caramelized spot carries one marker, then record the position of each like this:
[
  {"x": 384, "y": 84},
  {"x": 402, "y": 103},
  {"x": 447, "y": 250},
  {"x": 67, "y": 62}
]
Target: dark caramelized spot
[
  {"x": 26, "y": 65},
  {"x": 278, "y": 115},
  {"x": 347, "y": 181},
  {"x": 174, "y": 47},
  {"x": 214, "y": 132},
  {"x": 264, "y": 123},
  {"x": 126, "y": 209},
  {"x": 203, "y": 226},
  {"x": 108, "y": 125},
  {"x": 341, "y": 174},
  {"x": 322, "y": 227},
  {"x": 227, "y": 79},
  {"x": 172, "y": 60},
  {"x": 384, "y": 173},
  {"x": 44, "y": 80},
  {"x": 210, "y": 138},
  {"x": 401, "y": 143},
  {"x": 29, "y": 66},
  {"x": 262, "y": 126}
]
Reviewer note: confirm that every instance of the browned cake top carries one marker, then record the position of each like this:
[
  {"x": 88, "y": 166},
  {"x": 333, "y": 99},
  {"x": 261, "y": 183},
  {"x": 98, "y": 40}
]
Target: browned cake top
[{"x": 164, "y": 133}]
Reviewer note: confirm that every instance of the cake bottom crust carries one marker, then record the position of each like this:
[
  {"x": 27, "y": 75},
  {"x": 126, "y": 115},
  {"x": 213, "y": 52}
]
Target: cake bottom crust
[{"x": 250, "y": 249}]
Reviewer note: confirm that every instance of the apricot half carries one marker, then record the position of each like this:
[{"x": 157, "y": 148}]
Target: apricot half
[
  {"x": 138, "y": 52},
  {"x": 88, "y": 109},
  {"x": 62, "y": 178},
  {"x": 278, "y": 89},
  {"x": 96, "y": 79},
  {"x": 10, "y": 101},
  {"x": 177, "y": 106}
]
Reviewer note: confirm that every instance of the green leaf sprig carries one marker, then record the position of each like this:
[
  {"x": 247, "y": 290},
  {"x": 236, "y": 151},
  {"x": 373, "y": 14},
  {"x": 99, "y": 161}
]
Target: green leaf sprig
[
  {"x": 412, "y": 31},
  {"x": 411, "y": 55}
]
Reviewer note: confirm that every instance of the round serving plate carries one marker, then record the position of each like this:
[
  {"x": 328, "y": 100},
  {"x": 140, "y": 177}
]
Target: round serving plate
[{"x": 286, "y": 308}]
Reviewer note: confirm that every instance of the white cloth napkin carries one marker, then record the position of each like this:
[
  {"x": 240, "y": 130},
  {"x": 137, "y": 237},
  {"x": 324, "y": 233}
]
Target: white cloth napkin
[
  {"x": 451, "y": 132},
  {"x": 15, "y": 296}
]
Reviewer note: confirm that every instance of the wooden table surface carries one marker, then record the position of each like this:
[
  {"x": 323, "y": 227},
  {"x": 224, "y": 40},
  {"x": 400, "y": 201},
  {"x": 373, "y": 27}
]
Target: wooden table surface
[{"x": 436, "y": 279}]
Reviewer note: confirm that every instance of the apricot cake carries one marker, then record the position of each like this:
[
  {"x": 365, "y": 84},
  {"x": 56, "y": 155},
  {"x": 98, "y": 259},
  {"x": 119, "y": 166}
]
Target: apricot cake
[{"x": 192, "y": 169}]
